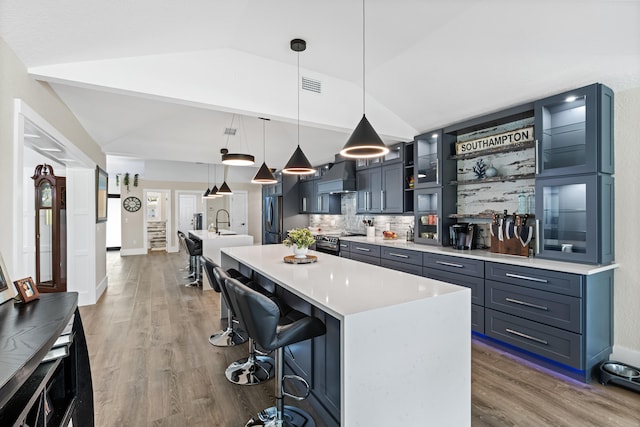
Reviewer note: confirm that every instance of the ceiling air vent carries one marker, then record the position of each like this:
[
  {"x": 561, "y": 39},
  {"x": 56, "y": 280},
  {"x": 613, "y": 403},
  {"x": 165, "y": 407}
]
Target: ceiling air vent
[
  {"x": 311, "y": 85},
  {"x": 230, "y": 131}
]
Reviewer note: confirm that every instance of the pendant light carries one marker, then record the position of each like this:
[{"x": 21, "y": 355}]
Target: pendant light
[
  {"x": 364, "y": 141},
  {"x": 298, "y": 164},
  {"x": 224, "y": 188},
  {"x": 235, "y": 159},
  {"x": 264, "y": 175},
  {"x": 213, "y": 193},
  {"x": 207, "y": 191}
]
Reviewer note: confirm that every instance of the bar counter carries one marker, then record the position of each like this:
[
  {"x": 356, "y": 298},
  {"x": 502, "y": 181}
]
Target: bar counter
[{"x": 405, "y": 340}]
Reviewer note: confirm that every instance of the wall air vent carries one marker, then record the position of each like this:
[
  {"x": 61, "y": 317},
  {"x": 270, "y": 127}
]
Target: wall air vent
[
  {"x": 230, "y": 131},
  {"x": 311, "y": 85}
]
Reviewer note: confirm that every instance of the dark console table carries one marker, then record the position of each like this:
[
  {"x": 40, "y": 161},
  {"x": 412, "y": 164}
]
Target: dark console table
[{"x": 34, "y": 392}]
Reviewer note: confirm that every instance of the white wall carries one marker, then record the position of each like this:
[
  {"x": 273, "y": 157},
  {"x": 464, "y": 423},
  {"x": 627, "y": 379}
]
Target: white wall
[{"x": 627, "y": 277}]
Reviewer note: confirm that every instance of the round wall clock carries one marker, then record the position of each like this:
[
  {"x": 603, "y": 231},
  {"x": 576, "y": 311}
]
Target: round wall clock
[{"x": 132, "y": 204}]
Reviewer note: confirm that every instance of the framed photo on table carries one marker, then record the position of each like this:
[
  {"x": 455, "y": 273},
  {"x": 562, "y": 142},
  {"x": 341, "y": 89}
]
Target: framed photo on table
[
  {"x": 27, "y": 289},
  {"x": 6, "y": 291}
]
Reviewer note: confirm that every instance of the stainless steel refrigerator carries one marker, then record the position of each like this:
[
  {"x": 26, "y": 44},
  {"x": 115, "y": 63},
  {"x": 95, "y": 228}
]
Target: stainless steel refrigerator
[{"x": 272, "y": 220}]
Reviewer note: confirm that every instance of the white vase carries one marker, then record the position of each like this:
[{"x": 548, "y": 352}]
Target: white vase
[{"x": 300, "y": 252}]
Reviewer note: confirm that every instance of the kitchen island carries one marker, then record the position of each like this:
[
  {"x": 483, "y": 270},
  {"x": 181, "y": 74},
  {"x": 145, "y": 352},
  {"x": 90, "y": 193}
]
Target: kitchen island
[
  {"x": 213, "y": 242},
  {"x": 405, "y": 353}
]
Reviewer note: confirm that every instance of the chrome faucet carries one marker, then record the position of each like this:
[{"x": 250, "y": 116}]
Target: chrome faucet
[{"x": 228, "y": 221}]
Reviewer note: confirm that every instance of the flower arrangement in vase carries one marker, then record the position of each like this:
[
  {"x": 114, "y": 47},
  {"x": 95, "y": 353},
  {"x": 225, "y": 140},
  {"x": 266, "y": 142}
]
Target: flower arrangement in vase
[{"x": 300, "y": 239}]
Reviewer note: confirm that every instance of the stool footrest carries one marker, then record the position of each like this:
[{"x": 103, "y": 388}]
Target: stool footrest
[{"x": 304, "y": 382}]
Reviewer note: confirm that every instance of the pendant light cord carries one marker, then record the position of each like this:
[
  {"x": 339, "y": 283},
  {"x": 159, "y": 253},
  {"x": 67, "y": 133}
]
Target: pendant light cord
[
  {"x": 264, "y": 143},
  {"x": 363, "y": 63},
  {"x": 298, "y": 92}
]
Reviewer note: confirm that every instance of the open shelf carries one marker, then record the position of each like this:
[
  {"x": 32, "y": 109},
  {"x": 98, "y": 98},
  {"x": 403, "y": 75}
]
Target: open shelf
[{"x": 494, "y": 179}]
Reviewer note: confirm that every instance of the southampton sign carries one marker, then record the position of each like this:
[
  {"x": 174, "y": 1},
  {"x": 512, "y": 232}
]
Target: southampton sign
[{"x": 500, "y": 140}]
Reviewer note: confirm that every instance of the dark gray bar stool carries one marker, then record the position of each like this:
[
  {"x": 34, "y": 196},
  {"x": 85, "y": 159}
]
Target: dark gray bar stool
[
  {"x": 262, "y": 318},
  {"x": 229, "y": 337},
  {"x": 195, "y": 252},
  {"x": 256, "y": 368}
]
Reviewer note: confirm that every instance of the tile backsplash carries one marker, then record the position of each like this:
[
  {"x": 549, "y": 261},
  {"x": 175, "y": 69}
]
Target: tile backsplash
[{"x": 349, "y": 220}]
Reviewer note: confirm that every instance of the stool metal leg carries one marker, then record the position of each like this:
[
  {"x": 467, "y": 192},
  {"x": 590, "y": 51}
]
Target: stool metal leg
[
  {"x": 229, "y": 337},
  {"x": 196, "y": 273},
  {"x": 282, "y": 415},
  {"x": 252, "y": 370}
]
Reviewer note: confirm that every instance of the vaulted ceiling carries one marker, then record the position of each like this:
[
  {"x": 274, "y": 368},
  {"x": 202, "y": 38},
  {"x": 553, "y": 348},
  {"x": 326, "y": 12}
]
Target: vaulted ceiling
[{"x": 162, "y": 80}]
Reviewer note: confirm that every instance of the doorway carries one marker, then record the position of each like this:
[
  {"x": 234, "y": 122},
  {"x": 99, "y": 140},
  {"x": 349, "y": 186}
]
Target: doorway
[
  {"x": 239, "y": 212},
  {"x": 157, "y": 214},
  {"x": 114, "y": 222}
]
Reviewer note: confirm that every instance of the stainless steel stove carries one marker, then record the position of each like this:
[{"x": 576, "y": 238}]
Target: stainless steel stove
[{"x": 329, "y": 243}]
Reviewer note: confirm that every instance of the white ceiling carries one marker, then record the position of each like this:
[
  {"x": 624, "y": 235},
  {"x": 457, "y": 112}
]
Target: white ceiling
[{"x": 161, "y": 80}]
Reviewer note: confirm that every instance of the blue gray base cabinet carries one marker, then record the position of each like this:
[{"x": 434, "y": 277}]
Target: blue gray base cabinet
[
  {"x": 562, "y": 317},
  {"x": 559, "y": 320}
]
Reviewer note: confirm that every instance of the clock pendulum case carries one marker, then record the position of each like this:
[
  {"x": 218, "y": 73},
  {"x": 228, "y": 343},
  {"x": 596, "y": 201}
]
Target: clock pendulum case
[{"x": 51, "y": 230}]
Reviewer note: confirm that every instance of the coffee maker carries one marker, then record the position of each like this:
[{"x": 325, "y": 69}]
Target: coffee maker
[{"x": 462, "y": 235}]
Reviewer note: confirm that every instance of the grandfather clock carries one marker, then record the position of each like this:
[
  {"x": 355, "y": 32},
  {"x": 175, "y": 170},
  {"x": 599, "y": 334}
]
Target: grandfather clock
[{"x": 51, "y": 230}]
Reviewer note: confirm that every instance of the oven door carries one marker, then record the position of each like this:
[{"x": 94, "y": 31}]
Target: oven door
[{"x": 327, "y": 248}]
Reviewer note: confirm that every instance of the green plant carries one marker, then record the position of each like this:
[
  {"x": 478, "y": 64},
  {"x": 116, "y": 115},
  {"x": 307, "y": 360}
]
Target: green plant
[
  {"x": 125, "y": 181},
  {"x": 301, "y": 237}
]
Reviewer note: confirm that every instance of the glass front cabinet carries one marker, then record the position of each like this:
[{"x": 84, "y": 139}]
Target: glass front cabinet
[
  {"x": 432, "y": 208},
  {"x": 574, "y": 132},
  {"x": 575, "y": 217}
]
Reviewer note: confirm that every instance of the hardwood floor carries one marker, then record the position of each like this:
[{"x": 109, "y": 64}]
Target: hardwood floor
[{"x": 152, "y": 364}]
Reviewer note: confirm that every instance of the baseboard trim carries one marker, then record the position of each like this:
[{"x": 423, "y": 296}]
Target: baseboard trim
[{"x": 625, "y": 355}]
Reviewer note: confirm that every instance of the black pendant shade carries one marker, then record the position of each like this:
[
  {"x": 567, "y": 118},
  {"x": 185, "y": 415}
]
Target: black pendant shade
[
  {"x": 264, "y": 176},
  {"x": 224, "y": 189},
  {"x": 237, "y": 159},
  {"x": 213, "y": 193},
  {"x": 364, "y": 142},
  {"x": 298, "y": 164},
  {"x": 206, "y": 193}
]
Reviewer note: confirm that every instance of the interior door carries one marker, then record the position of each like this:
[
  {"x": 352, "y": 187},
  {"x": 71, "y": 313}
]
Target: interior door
[
  {"x": 240, "y": 212},
  {"x": 187, "y": 206}
]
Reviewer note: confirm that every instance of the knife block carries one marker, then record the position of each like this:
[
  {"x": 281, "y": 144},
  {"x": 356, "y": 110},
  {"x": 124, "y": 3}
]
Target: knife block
[{"x": 511, "y": 246}]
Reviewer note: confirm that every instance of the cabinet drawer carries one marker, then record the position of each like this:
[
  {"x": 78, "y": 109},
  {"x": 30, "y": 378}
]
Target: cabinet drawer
[
  {"x": 553, "y": 309},
  {"x": 365, "y": 249},
  {"x": 552, "y": 343},
  {"x": 344, "y": 246},
  {"x": 477, "y": 318},
  {"x": 546, "y": 280},
  {"x": 402, "y": 255},
  {"x": 470, "y": 267},
  {"x": 401, "y": 266},
  {"x": 476, "y": 284},
  {"x": 358, "y": 256}
]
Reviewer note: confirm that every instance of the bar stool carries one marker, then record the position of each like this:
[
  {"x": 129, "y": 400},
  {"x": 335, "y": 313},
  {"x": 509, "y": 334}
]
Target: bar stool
[
  {"x": 183, "y": 245},
  {"x": 256, "y": 368},
  {"x": 195, "y": 252},
  {"x": 229, "y": 337},
  {"x": 261, "y": 317}
]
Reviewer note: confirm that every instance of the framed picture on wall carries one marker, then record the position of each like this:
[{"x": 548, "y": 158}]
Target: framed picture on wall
[
  {"x": 102, "y": 181},
  {"x": 6, "y": 290}
]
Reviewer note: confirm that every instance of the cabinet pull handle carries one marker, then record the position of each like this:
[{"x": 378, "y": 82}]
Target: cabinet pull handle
[
  {"x": 536, "y": 158},
  {"x": 528, "y": 304},
  {"x": 382, "y": 199},
  {"x": 304, "y": 204},
  {"x": 363, "y": 249},
  {"x": 529, "y": 337},
  {"x": 320, "y": 203},
  {"x": 537, "y": 236},
  {"x": 342, "y": 245},
  {"x": 532, "y": 279},
  {"x": 398, "y": 255},
  {"x": 450, "y": 264}
]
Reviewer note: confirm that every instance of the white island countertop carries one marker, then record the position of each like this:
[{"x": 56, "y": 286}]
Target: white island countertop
[{"x": 405, "y": 340}]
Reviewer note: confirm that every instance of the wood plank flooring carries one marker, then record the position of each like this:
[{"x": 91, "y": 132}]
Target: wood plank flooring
[{"x": 152, "y": 364}]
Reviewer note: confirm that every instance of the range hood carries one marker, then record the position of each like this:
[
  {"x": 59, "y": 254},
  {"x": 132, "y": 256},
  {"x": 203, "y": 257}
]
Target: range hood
[{"x": 340, "y": 178}]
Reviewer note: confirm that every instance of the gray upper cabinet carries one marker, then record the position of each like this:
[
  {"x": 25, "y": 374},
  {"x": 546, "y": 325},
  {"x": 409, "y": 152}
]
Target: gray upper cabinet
[
  {"x": 575, "y": 218},
  {"x": 380, "y": 189},
  {"x": 369, "y": 185},
  {"x": 311, "y": 201},
  {"x": 574, "y": 132}
]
